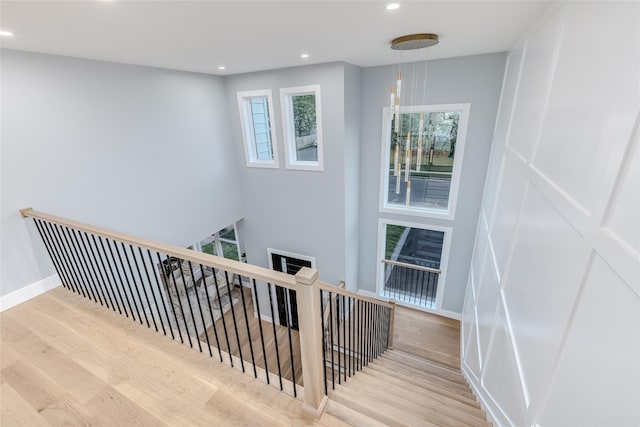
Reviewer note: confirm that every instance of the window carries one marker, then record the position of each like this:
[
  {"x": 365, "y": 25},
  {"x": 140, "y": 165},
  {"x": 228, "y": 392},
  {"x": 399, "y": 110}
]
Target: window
[
  {"x": 256, "y": 119},
  {"x": 223, "y": 243},
  {"x": 302, "y": 127},
  {"x": 422, "y": 159},
  {"x": 412, "y": 262}
]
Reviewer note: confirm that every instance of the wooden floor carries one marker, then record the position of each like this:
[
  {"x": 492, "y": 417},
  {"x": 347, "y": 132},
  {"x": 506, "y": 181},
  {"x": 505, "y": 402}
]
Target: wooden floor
[
  {"x": 65, "y": 360},
  {"x": 428, "y": 336},
  {"x": 68, "y": 361}
]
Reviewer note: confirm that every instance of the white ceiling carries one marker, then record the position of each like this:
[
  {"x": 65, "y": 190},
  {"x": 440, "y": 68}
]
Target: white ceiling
[{"x": 259, "y": 35}]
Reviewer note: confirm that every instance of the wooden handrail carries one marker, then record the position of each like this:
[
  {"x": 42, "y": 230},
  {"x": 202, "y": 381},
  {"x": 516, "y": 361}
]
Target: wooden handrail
[
  {"x": 232, "y": 266},
  {"x": 414, "y": 267},
  {"x": 337, "y": 290}
]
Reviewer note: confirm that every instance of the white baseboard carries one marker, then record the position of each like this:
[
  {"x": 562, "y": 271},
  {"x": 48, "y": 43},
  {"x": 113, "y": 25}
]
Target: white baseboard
[
  {"x": 28, "y": 292},
  {"x": 444, "y": 313}
]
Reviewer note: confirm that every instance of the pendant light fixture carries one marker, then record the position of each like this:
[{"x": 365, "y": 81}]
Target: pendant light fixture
[{"x": 397, "y": 98}]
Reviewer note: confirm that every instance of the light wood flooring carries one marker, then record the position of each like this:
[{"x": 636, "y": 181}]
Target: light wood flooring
[{"x": 65, "y": 360}]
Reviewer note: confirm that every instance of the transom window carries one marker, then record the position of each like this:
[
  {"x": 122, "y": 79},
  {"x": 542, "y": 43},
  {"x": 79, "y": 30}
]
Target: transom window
[
  {"x": 302, "y": 127},
  {"x": 256, "y": 116},
  {"x": 422, "y": 158}
]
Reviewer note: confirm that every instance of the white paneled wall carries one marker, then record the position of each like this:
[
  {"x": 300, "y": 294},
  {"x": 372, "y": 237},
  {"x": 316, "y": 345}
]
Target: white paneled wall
[{"x": 551, "y": 322}]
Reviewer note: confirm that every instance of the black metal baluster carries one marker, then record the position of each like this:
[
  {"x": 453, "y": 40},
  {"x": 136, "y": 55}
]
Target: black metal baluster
[
  {"x": 380, "y": 326},
  {"x": 131, "y": 288},
  {"x": 333, "y": 374},
  {"x": 193, "y": 318},
  {"x": 324, "y": 345},
  {"x": 388, "y": 318},
  {"x": 358, "y": 337},
  {"x": 275, "y": 336},
  {"x": 118, "y": 268},
  {"x": 101, "y": 258},
  {"x": 195, "y": 291},
  {"x": 213, "y": 320},
  {"x": 369, "y": 329},
  {"x": 344, "y": 338},
  {"x": 54, "y": 255},
  {"x": 54, "y": 259},
  {"x": 350, "y": 353},
  {"x": 168, "y": 285},
  {"x": 75, "y": 269},
  {"x": 135, "y": 282},
  {"x": 233, "y": 316},
  {"x": 224, "y": 322},
  {"x": 264, "y": 351},
  {"x": 113, "y": 276},
  {"x": 338, "y": 334},
  {"x": 108, "y": 281},
  {"x": 85, "y": 275},
  {"x": 94, "y": 266},
  {"x": 144, "y": 291},
  {"x": 161, "y": 292},
  {"x": 293, "y": 368},
  {"x": 59, "y": 254},
  {"x": 153, "y": 294},
  {"x": 92, "y": 270},
  {"x": 64, "y": 255},
  {"x": 423, "y": 299},
  {"x": 374, "y": 325},
  {"x": 246, "y": 319}
]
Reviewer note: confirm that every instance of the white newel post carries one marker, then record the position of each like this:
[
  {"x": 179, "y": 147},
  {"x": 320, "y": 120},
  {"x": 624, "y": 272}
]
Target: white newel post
[{"x": 308, "y": 297}]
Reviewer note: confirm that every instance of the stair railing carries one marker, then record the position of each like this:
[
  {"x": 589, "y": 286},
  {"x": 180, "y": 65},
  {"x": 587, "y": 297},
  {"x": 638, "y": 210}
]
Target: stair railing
[
  {"x": 198, "y": 299},
  {"x": 356, "y": 330}
]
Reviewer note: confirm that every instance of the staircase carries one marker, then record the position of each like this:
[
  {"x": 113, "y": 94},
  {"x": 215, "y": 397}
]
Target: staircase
[{"x": 401, "y": 389}]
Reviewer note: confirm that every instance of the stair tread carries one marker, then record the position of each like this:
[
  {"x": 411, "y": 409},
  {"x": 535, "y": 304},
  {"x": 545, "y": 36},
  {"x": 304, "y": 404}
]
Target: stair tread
[
  {"x": 467, "y": 398},
  {"x": 351, "y": 416},
  {"x": 426, "y": 365},
  {"x": 434, "y": 379},
  {"x": 375, "y": 408},
  {"x": 415, "y": 403}
]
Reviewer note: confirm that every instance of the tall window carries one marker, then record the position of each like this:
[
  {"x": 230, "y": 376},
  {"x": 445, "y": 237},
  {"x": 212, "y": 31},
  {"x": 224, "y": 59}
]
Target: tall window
[
  {"x": 302, "y": 127},
  {"x": 422, "y": 159},
  {"x": 256, "y": 115},
  {"x": 412, "y": 262}
]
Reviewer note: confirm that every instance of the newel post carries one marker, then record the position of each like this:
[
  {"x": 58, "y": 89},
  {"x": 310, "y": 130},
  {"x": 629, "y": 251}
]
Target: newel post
[
  {"x": 392, "y": 318},
  {"x": 308, "y": 297}
]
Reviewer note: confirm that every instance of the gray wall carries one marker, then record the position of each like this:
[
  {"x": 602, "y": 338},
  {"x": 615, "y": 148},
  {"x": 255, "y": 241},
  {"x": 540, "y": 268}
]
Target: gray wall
[
  {"x": 292, "y": 210},
  {"x": 136, "y": 149},
  {"x": 352, "y": 95},
  {"x": 472, "y": 79}
]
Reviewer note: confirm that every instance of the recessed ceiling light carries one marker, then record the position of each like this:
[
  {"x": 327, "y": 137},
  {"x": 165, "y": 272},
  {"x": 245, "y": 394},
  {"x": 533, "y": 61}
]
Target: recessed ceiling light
[
  {"x": 304, "y": 56},
  {"x": 393, "y": 6},
  {"x": 222, "y": 67},
  {"x": 6, "y": 33}
]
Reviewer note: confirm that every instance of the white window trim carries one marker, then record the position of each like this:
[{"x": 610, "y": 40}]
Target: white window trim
[
  {"x": 448, "y": 213},
  {"x": 247, "y": 130},
  {"x": 288, "y": 129},
  {"x": 444, "y": 260}
]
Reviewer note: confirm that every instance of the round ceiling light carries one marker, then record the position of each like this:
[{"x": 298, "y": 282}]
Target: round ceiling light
[
  {"x": 393, "y": 6},
  {"x": 414, "y": 41}
]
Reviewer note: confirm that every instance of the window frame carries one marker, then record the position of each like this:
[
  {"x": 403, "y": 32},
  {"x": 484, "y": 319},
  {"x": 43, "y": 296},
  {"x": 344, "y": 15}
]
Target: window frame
[
  {"x": 444, "y": 259},
  {"x": 288, "y": 127},
  {"x": 247, "y": 126},
  {"x": 448, "y": 213}
]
